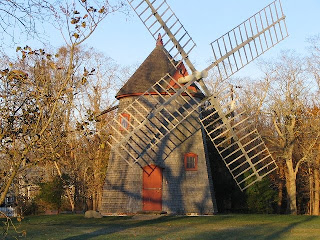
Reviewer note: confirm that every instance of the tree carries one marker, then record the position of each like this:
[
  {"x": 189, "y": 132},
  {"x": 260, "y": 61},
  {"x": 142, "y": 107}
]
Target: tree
[
  {"x": 92, "y": 149},
  {"x": 281, "y": 99},
  {"x": 314, "y": 58},
  {"x": 313, "y": 62},
  {"x": 261, "y": 198},
  {"x": 311, "y": 120},
  {"x": 51, "y": 193},
  {"x": 29, "y": 101},
  {"x": 21, "y": 20}
]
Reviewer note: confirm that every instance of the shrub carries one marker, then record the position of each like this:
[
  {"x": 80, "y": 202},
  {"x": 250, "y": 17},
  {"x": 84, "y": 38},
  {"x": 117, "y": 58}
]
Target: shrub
[
  {"x": 27, "y": 207},
  {"x": 261, "y": 197},
  {"x": 50, "y": 195}
]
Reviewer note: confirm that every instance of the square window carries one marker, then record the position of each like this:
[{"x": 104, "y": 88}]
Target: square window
[{"x": 191, "y": 162}]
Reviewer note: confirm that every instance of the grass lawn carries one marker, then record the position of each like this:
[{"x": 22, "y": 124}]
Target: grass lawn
[{"x": 223, "y": 227}]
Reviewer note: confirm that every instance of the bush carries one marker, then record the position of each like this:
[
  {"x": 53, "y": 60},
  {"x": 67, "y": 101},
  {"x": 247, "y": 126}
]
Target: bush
[
  {"x": 50, "y": 196},
  {"x": 261, "y": 198},
  {"x": 27, "y": 207}
]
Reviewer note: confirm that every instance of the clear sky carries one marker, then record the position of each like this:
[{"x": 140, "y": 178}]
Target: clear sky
[{"x": 125, "y": 39}]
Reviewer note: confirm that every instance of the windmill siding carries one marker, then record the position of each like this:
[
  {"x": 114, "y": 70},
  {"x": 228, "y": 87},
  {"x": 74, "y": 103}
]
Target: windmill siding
[{"x": 182, "y": 191}]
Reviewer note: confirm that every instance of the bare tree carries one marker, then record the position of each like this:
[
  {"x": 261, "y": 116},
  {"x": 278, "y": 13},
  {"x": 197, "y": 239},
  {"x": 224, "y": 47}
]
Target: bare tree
[
  {"x": 97, "y": 95},
  {"x": 23, "y": 19},
  {"x": 314, "y": 58},
  {"x": 281, "y": 99},
  {"x": 308, "y": 146},
  {"x": 313, "y": 62},
  {"x": 30, "y": 102}
]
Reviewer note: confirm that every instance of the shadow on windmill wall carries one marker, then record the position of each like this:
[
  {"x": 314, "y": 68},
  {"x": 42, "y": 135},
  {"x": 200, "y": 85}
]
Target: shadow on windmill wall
[
  {"x": 228, "y": 195},
  {"x": 182, "y": 191}
]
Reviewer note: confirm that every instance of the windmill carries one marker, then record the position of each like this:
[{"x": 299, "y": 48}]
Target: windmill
[{"x": 142, "y": 127}]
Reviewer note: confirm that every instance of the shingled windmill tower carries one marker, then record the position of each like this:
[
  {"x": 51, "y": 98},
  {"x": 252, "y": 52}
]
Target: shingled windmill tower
[
  {"x": 174, "y": 177},
  {"x": 159, "y": 133}
]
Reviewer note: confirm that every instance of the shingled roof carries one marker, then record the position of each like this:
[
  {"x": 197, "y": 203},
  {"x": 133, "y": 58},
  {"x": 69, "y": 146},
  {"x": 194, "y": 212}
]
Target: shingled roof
[{"x": 150, "y": 71}]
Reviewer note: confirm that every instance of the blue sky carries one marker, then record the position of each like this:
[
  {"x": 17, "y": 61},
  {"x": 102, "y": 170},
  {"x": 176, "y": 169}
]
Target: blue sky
[{"x": 125, "y": 39}]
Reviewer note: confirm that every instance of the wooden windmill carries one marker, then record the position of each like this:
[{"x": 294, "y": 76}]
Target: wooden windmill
[{"x": 160, "y": 127}]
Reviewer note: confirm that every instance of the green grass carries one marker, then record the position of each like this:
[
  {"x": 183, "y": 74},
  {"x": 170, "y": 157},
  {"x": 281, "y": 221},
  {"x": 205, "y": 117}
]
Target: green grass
[{"x": 223, "y": 227}]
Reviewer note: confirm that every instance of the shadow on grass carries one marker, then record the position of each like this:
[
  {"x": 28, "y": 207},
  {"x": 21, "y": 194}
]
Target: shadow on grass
[
  {"x": 116, "y": 227},
  {"x": 265, "y": 227},
  {"x": 288, "y": 228},
  {"x": 264, "y": 231}
]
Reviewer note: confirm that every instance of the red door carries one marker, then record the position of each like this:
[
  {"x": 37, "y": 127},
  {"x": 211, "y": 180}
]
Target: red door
[{"x": 152, "y": 188}]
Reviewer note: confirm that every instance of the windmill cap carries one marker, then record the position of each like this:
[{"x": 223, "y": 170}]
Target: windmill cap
[{"x": 153, "y": 68}]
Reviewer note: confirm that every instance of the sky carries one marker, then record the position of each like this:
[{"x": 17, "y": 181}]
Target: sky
[{"x": 125, "y": 39}]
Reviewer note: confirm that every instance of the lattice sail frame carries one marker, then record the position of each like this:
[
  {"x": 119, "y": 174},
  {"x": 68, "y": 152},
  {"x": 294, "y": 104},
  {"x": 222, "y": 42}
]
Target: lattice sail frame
[
  {"x": 236, "y": 139},
  {"x": 158, "y": 17},
  {"x": 250, "y": 39}
]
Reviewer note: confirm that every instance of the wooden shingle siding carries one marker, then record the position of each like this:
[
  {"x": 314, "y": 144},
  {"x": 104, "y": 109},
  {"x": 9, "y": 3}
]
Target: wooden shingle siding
[{"x": 183, "y": 191}]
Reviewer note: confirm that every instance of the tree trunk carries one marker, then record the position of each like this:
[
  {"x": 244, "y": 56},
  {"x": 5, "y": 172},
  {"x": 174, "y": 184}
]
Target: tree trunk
[
  {"x": 94, "y": 201},
  {"x": 5, "y": 190},
  {"x": 292, "y": 194},
  {"x": 71, "y": 201},
  {"x": 99, "y": 197},
  {"x": 8, "y": 185},
  {"x": 281, "y": 186},
  {"x": 311, "y": 191},
  {"x": 316, "y": 201},
  {"x": 291, "y": 186},
  {"x": 280, "y": 196}
]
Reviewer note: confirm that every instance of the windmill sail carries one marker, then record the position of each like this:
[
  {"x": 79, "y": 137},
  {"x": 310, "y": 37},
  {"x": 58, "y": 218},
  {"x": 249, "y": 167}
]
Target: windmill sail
[
  {"x": 244, "y": 43},
  {"x": 158, "y": 17},
  {"x": 236, "y": 139}
]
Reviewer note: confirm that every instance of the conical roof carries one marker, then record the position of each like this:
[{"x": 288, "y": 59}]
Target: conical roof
[{"x": 150, "y": 71}]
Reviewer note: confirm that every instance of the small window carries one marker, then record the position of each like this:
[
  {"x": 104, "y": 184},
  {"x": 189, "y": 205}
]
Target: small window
[
  {"x": 191, "y": 161},
  {"x": 124, "y": 121}
]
